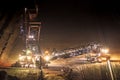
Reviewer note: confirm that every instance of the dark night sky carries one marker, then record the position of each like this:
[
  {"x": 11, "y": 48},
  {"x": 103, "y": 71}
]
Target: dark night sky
[{"x": 69, "y": 23}]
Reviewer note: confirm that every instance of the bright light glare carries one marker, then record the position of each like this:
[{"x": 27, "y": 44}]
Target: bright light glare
[
  {"x": 99, "y": 54},
  {"x": 31, "y": 36},
  {"x": 37, "y": 59},
  {"x": 26, "y": 65},
  {"x": 32, "y": 66},
  {"x": 46, "y": 52},
  {"x": 28, "y": 51},
  {"x": 56, "y": 55},
  {"x": 105, "y": 50},
  {"x": 47, "y": 58},
  {"x": 21, "y": 57},
  {"x": 29, "y": 57}
]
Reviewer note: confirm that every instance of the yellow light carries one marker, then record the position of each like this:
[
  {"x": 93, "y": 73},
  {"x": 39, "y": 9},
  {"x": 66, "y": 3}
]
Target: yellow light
[
  {"x": 105, "y": 50},
  {"x": 46, "y": 52},
  {"x": 29, "y": 57},
  {"x": 28, "y": 52},
  {"x": 21, "y": 57},
  {"x": 47, "y": 58}
]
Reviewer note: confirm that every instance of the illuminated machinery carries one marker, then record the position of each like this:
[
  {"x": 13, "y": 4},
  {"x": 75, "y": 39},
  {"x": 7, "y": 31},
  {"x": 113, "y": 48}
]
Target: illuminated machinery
[
  {"x": 47, "y": 57},
  {"x": 103, "y": 55},
  {"x": 98, "y": 53},
  {"x": 32, "y": 40}
]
